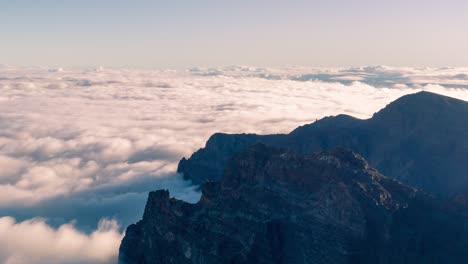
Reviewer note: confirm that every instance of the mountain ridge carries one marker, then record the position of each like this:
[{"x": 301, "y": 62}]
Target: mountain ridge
[{"x": 420, "y": 139}]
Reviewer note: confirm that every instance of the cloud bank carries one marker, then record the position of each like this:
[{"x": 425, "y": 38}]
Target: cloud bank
[
  {"x": 377, "y": 76},
  {"x": 34, "y": 241},
  {"x": 98, "y": 140}
]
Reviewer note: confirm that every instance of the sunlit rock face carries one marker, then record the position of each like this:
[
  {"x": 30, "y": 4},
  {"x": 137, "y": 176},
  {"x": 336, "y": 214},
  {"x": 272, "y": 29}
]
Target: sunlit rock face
[
  {"x": 419, "y": 139},
  {"x": 274, "y": 206}
]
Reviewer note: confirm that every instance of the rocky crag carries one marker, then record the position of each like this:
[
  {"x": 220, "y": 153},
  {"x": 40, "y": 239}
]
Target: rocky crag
[{"x": 275, "y": 206}]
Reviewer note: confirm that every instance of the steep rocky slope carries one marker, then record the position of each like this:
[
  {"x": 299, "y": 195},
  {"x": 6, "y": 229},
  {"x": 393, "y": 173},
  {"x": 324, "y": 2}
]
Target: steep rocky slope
[
  {"x": 274, "y": 206},
  {"x": 420, "y": 139}
]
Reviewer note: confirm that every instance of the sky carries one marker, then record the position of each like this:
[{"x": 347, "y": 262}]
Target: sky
[{"x": 156, "y": 34}]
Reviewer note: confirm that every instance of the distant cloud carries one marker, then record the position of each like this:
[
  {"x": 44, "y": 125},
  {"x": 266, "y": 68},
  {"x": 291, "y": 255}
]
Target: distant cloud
[
  {"x": 34, "y": 241},
  {"x": 377, "y": 76},
  {"x": 99, "y": 140}
]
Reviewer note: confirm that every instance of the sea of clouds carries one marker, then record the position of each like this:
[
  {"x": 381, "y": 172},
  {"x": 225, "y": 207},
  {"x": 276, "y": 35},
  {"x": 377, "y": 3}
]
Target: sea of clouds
[{"x": 80, "y": 149}]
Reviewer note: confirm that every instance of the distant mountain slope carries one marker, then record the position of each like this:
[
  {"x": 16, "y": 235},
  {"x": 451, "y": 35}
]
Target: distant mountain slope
[
  {"x": 420, "y": 139},
  {"x": 274, "y": 206}
]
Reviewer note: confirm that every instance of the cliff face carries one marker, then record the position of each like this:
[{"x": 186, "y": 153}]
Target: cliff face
[
  {"x": 273, "y": 206},
  {"x": 420, "y": 140}
]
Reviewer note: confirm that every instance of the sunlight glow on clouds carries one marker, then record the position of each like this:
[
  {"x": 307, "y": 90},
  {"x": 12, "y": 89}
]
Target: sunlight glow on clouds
[{"x": 99, "y": 140}]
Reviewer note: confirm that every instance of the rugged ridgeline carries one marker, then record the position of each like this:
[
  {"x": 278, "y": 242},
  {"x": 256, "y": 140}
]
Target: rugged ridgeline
[
  {"x": 273, "y": 206},
  {"x": 420, "y": 139}
]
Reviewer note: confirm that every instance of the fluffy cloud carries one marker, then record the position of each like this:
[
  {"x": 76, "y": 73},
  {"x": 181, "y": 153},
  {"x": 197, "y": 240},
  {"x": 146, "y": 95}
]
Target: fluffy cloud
[
  {"x": 11, "y": 167},
  {"x": 99, "y": 140},
  {"x": 34, "y": 241}
]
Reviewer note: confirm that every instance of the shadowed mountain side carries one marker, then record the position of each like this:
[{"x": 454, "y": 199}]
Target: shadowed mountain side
[
  {"x": 420, "y": 139},
  {"x": 274, "y": 206}
]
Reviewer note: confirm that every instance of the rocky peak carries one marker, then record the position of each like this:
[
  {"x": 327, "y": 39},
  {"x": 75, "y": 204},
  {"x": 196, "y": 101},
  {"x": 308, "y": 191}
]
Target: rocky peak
[
  {"x": 341, "y": 157},
  {"x": 158, "y": 201}
]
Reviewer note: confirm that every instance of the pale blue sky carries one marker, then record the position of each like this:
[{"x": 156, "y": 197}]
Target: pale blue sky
[{"x": 182, "y": 34}]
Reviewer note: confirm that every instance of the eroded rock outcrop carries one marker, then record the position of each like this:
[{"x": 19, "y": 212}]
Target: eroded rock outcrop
[{"x": 274, "y": 206}]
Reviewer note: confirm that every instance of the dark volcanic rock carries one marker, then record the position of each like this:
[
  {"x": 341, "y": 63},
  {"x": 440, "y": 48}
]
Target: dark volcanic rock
[
  {"x": 274, "y": 206},
  {"x": 420, "y": 139}
]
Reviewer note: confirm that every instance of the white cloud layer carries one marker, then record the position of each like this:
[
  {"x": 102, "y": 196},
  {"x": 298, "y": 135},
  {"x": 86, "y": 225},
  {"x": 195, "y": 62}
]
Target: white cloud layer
[
  {"x": 34, "y": 241},
  {"x": 99, "y": 140}
]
